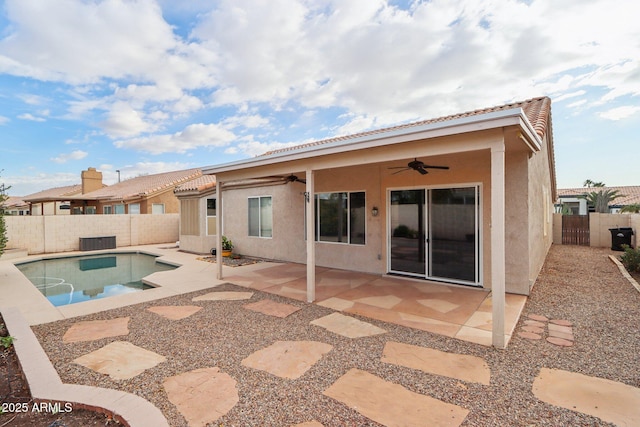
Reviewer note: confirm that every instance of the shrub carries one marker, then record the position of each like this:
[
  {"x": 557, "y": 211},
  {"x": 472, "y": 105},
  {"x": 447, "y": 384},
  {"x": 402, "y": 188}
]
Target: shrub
[{"x": 630, "y": 259}]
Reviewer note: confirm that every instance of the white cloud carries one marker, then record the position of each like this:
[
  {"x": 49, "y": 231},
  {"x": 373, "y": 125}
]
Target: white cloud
[
  {"x": 124, "y": 121},
  {"x": 193, "y": 136},
  {"x": 620, "y": 113},
  {"x": 4, "y": 120},
  {"x": 74, "y": 155},
  {"x": 31, "y": 117},
  {"x": 252, "y": 148}
]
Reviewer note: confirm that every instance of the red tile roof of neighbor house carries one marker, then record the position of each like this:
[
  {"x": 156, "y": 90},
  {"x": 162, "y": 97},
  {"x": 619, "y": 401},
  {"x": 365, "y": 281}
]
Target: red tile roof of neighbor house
[
  {"x": 55, "y": 193},
  {"x": 142, "y": 186},
  {"x": 200, "y": 183},
  {"x": 630, "y": 195},
  {"x": 537, "y": 111},
  {"x": 13, "y": 202}
]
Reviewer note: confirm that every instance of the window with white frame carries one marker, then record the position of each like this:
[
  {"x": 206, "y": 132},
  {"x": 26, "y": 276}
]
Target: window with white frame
[
  {"x": 107, "y": 210},
  {"x": 260, "y": 216},
  {"x": 157, "y": 208},
  {"x": 340, "y": 217},
  {"x": 211, "y": 217},
  {"x": 134, "y": 209},
  {"x": 119, "y": 209}
]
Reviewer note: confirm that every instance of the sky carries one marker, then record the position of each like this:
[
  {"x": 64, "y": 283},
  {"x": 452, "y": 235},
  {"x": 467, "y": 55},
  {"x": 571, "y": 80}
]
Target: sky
[{"x": 153, "y": 86}]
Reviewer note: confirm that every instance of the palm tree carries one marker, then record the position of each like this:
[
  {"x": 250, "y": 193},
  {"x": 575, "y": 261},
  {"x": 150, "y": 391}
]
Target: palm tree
[
  {"x": 588, "y": 183},
  {"x": 633, "y": 208},
  {"x": 600, "y": 199}
]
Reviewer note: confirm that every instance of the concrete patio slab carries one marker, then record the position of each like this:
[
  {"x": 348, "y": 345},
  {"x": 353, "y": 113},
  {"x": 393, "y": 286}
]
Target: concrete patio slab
[
  {"x": 202, "y": 395},
  {"x": 347, "y": 326},
  {"x": 175, "y": 312},
  {"x": 96, "y": 329},
  {"x": 120, "y": 360},
  {"x": 224, "y": 296},
  {"x": 458, "y": 366},
  {"x": 608, "y": 400},
  {"x": 391, "y": 404},
  {"x": 287, "y": 359},
  {"x": 272, "y": 308}
]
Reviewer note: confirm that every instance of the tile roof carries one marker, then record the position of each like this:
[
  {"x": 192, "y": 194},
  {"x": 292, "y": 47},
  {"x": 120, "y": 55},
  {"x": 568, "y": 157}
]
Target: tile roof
[
  {"x": 630, "y": 194},
  {"x": 537, "y": 111},
  {"x": 57, "y": 192},
  {"x": 14, "y": 201},
  {"x": 201, "y": 183},
  {"x": 143, "y": 186}
]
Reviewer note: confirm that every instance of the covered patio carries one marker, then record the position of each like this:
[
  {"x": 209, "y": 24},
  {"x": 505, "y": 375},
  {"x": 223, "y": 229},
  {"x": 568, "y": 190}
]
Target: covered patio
[{"x": 453, "y": 311}]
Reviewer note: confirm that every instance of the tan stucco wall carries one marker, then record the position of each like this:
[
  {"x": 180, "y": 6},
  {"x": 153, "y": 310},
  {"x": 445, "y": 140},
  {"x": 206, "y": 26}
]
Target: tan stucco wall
[
  {"x": 557, "y": 228},
  {"x": 599, "y": 225},
  {"x": 540, "y": 210},
  {"x": 47, "y": 234}
]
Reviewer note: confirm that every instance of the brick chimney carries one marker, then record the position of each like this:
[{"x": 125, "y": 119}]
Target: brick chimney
[{"x": 91, "y": 180}]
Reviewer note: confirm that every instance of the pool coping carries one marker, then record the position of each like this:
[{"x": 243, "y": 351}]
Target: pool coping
[{"x": 46, "y": 386}]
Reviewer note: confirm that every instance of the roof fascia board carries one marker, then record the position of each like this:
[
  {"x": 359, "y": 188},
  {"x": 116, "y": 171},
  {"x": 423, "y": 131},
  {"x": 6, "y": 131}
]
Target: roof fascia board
[{"x": 492, "y": 120}]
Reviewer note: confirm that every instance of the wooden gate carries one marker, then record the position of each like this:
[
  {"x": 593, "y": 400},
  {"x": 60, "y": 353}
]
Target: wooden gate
[{"x": 575, "y": 230}]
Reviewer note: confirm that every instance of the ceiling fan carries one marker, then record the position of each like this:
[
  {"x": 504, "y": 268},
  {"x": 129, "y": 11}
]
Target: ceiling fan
[
  {"x": 417, "y": 165},
  {"x": 293, "y": 178}
]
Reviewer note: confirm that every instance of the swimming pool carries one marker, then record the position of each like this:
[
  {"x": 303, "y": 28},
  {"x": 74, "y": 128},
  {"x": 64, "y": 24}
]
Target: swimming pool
[{"x": 71, "y": 280}]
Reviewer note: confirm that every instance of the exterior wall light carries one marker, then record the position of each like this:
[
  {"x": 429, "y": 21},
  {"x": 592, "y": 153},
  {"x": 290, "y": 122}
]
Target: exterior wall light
[{"x": 374, "y": 211}]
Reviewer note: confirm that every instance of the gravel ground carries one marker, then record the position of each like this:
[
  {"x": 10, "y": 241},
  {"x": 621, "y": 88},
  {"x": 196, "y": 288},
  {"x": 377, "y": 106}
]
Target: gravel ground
[{"x": 577, "y": 284}]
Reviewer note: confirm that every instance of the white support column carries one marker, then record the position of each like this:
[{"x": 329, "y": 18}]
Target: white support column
[
  {"x": 311, "y": 238},
  {"x": 219, "y": 229},
  {"x": 498, "y": 243}
]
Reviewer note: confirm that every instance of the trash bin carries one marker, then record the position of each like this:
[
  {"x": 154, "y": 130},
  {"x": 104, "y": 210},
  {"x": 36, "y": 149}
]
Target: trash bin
[{"x": 620, "y": 236}]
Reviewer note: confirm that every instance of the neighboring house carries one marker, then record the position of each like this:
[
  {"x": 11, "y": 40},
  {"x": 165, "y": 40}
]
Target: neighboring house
[
  {"x": 145, "y": 194},
  {"x": 15, "y": 206},
  {"x": 365, "y": 202},
  {"x": 573, "y": 199},
  {"x": 54, "y": 201}
]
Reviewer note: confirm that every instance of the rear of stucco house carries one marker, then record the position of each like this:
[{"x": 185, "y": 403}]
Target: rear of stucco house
[{"x": 488, "y": 214}]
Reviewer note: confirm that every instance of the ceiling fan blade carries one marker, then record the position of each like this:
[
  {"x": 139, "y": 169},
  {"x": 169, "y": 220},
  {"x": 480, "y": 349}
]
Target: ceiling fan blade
[
  {"x": 422, "y": 171},
  {"x": 435, "y": 167}
]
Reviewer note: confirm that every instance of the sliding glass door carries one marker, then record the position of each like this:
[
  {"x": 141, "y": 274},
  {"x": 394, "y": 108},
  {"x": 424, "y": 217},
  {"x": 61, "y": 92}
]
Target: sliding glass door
[{"x": 434, "y": 233}]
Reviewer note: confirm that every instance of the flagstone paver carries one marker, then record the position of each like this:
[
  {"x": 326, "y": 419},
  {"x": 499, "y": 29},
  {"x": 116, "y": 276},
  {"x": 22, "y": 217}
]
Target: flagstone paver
[
  {"x": 458, "y": 366},
  {"x": 538, "y": 317},
  {"x": 347, "y": 326},
  {"x": 560, "y": 341},
  {"x": 272, "y": 308},
  {"x": 391, "y": 404},
  {"x": 92, "y": 330},
  {"x": 611, "y": 401},
  {"x": 175, "y": 312},
  {"x": 120, "y": 360},
  {"x": 224, "y": 296},
  {"x": 202, "y": 395},
  {"x": 337, "y": 304},
  {"x": 308, "y": 424},
  {"x": 287, "y": 359},
  {"x": 530, "y": 335}
]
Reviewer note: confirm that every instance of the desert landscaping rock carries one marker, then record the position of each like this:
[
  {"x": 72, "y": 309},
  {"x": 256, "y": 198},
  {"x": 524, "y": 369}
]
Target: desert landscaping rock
[
  {"x": 347, "y": 326},
  {"x": 272, "y": 308},
  {"x": 459, "y": 366},
  {"x": 611, "y": 401},
  {"x": 120, "y": 360},
  {"x": 391, "y": 404},
  {"x": 287, "y": 359},
  {"x": 175, "y": 312},
  {"x": 96, "y": 329},
  {"x": 202, "y": 395},
  {"x": 576, "y": 283}
]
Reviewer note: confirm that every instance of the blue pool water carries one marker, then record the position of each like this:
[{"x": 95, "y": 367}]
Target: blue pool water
[{"x": 71, "y": 280}]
